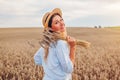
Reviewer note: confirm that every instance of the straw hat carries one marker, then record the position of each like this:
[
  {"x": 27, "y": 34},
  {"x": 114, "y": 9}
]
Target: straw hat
[{"x": 48, "y": 15}]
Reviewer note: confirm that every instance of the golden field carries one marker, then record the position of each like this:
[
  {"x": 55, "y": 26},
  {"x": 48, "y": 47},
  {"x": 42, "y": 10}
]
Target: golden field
[{"x": 99, "y": 62}]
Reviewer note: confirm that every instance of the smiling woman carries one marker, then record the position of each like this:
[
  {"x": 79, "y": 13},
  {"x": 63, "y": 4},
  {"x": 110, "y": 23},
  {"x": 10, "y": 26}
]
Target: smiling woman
[
  {"x": 57, "y": 52},
  {"x": 56, "y": 55}
]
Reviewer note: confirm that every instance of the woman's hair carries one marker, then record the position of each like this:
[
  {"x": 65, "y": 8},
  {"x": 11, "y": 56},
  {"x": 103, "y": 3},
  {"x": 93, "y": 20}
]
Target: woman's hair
[{"x": 50, "y": 26}]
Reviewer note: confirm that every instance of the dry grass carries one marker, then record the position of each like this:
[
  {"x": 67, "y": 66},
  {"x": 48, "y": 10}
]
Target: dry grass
[{"x": 100, "y": 62}]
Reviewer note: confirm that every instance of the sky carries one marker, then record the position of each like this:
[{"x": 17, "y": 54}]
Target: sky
[{"x": 76, "y": 13}]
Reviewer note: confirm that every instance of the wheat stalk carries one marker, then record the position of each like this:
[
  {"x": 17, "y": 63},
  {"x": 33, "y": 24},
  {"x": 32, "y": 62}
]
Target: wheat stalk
[
  {"x": 50, "y": 36},
  {"x": 83, "y": 43}
]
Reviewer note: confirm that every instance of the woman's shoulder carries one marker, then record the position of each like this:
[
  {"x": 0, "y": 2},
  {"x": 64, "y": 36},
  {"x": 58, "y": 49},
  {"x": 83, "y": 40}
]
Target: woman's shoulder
[{"x": 62, "y": 43}]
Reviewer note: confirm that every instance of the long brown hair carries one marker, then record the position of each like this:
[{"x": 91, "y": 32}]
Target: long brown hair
[{"x": 49, "y": 36}]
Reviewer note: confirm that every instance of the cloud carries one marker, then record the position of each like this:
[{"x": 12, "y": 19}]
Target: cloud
[
  {"x": 94, "y": 20},
  {"x": 30, "y": 12}
]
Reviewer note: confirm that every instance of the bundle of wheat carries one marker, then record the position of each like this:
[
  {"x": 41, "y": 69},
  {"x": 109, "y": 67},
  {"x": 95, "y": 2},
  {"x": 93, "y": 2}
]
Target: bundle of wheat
[{"x": 52, "y": 36}]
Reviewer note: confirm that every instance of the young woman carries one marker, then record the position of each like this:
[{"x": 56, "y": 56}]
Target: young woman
[{"x": 56, "y": 55}]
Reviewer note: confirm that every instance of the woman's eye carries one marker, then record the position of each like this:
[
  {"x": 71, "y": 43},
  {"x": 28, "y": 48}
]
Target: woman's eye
[
  {"x": 56, "y": 22},
  {"x": 61, "y": 20}
]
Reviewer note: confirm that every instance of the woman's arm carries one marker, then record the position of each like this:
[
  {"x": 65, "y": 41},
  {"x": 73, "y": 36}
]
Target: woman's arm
[
  {"x": 72, "y": 43},
  {"x": 72, "y": 54},
  {"x": 37, "y": 57},
  {"x": 62, "y": 53}
]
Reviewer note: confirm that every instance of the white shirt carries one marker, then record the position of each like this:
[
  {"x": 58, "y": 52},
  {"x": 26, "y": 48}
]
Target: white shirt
[{"x": 58, "y": 65}]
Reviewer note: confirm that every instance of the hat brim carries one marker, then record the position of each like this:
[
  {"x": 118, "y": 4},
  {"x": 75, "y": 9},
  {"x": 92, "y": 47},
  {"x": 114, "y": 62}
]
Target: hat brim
[{"x": 56, "y": 10}]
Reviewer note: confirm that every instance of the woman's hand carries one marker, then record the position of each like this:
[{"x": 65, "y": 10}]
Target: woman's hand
[{"x": 71, "y": 41}]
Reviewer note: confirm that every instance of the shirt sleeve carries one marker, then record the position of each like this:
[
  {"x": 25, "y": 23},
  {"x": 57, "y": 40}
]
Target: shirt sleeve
[
  {"x": 62, "y": 53},
  {"x": 37, "y": 57}
]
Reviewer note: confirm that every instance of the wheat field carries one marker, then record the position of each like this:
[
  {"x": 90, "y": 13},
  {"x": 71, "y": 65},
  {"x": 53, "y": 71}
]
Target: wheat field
[{"x": 99, "y": 62}]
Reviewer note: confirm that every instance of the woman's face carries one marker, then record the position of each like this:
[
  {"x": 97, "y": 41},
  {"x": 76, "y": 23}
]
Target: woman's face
[{"x": 58, "y": 24}]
